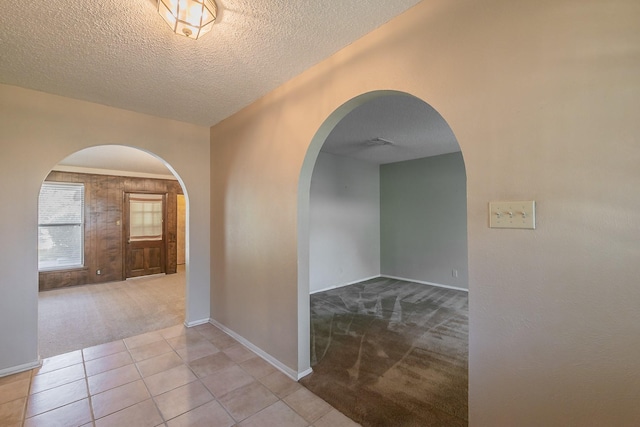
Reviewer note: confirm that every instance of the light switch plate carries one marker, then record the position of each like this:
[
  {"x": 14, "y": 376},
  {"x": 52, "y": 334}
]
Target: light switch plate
[{"x": 516, "y": 214}]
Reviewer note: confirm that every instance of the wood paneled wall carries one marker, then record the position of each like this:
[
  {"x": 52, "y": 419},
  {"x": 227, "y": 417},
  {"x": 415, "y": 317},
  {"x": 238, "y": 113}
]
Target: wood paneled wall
[{"x": 103, "y": 233}]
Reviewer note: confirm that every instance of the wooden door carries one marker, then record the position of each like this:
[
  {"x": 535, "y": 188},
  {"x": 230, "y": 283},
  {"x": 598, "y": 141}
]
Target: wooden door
[{"x": 144, "y": 230}]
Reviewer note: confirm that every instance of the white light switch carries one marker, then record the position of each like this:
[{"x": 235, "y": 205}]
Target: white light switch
[{"x": 519, "y": 214}]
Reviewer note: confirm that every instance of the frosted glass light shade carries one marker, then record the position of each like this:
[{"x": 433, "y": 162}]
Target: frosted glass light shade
[{"x": 190, "y": 18}]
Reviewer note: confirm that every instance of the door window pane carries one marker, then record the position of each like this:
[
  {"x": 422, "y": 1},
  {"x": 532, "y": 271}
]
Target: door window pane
[{"x": 145, "y": 217}]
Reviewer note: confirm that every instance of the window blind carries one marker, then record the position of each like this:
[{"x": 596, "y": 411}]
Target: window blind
[{"x": 60, "y": 225}]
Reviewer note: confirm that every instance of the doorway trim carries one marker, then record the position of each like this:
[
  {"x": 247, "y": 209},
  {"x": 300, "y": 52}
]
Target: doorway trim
[
  {"x": 180, "y": 181},
  {"x": 127, "y": 243},
  {"x": 303, "y": 215}
]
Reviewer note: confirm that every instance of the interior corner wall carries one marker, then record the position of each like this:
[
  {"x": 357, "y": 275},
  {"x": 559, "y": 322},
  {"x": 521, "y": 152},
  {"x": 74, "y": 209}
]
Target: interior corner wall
[
  {"x": 344, "y": 223},
  {"x": 38, "y": 130},
  {"x": 423, "y": 220},
  {"x": 542, "y": 97}
]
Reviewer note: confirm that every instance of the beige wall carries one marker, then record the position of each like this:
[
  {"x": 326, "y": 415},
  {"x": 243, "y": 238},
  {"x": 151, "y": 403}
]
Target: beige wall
[
  {"x": 543, "y": 97},
  {"x": 36, "y": 132}
]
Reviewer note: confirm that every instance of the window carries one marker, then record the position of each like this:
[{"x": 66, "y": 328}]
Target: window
[
  {"x": 60, "y": 226},
  {"x": 145, "y": 217}
]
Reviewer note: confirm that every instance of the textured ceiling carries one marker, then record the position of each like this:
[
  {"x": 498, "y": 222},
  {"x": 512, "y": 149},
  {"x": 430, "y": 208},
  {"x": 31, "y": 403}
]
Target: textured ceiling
[
  {"x": 391, "y": 129},
  {"x": 121, "y": 53}
]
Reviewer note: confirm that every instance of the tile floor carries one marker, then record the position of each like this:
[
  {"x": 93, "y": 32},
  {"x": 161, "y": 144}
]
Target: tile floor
[{"x": 173, "y": 377}]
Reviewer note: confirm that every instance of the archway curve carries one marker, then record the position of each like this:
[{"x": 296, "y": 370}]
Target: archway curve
[
  {"x": 303, "y": 214},
  {"x": 129, "y": 170}
]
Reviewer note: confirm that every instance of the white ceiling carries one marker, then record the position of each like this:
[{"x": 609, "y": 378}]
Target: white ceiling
[
  {"x": 391, "y": 129},
  {"x": 122, "y": 54},
  {"x": 115, "y": 160}
]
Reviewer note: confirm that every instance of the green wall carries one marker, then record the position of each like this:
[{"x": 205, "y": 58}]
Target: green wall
[{"x": 423, "y": 220}]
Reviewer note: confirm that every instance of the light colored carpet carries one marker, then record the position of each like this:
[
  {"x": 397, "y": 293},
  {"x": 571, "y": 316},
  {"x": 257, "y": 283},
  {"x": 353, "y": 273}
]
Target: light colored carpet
[{"x": 83, "y": 316}]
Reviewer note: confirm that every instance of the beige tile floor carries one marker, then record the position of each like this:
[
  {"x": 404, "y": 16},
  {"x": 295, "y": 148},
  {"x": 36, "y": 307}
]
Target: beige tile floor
[{"x": 173, "y": 377}]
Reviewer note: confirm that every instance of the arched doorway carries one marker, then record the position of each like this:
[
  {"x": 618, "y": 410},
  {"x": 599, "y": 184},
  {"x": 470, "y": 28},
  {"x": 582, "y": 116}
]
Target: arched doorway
[
  {"x": 384, "y": 202},
  {"x": 111, "y": 184}
]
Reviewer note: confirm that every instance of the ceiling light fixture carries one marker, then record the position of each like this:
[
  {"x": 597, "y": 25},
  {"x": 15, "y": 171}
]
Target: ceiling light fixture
[{"x": 190, "y": 18}]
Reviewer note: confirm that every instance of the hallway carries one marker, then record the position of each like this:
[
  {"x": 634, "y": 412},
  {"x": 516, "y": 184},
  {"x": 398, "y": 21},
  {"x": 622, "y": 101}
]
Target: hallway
[{"x": 172, "y": 377}]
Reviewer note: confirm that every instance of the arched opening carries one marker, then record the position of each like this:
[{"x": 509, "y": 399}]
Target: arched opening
[
  {"x": 383, "y": 249},
  {"x": 109, "y": 243}
]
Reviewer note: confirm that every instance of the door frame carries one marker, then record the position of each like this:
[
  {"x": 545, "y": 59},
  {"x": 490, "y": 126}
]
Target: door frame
[{"x": 125, "y": 229}]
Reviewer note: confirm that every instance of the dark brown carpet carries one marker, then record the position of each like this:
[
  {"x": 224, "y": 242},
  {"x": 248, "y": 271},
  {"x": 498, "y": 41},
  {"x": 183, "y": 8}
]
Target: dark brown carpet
[{"x": 391, "y": 353}]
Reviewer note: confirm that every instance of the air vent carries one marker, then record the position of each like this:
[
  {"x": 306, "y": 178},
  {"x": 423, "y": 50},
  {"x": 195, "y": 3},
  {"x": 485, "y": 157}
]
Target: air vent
[{"x": 375, "y": 142}]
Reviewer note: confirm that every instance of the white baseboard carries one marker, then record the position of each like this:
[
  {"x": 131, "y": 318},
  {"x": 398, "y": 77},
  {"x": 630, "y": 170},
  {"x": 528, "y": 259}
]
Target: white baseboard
[
  {"x": 385, "y": 276},
  {"x": 20, "y": 368},
  {"x": 345, "y": 284},
  {"x": 305, "y": 373},
  {"x": 195, "y": 323},
  {"x": 424, "y": 283},
  {"x": 294, "y": 375}
]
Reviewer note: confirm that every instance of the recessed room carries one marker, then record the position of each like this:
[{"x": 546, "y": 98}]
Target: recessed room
[
  {"x": 388, "y": 266},
  {"x": 111, "y": 249}
]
